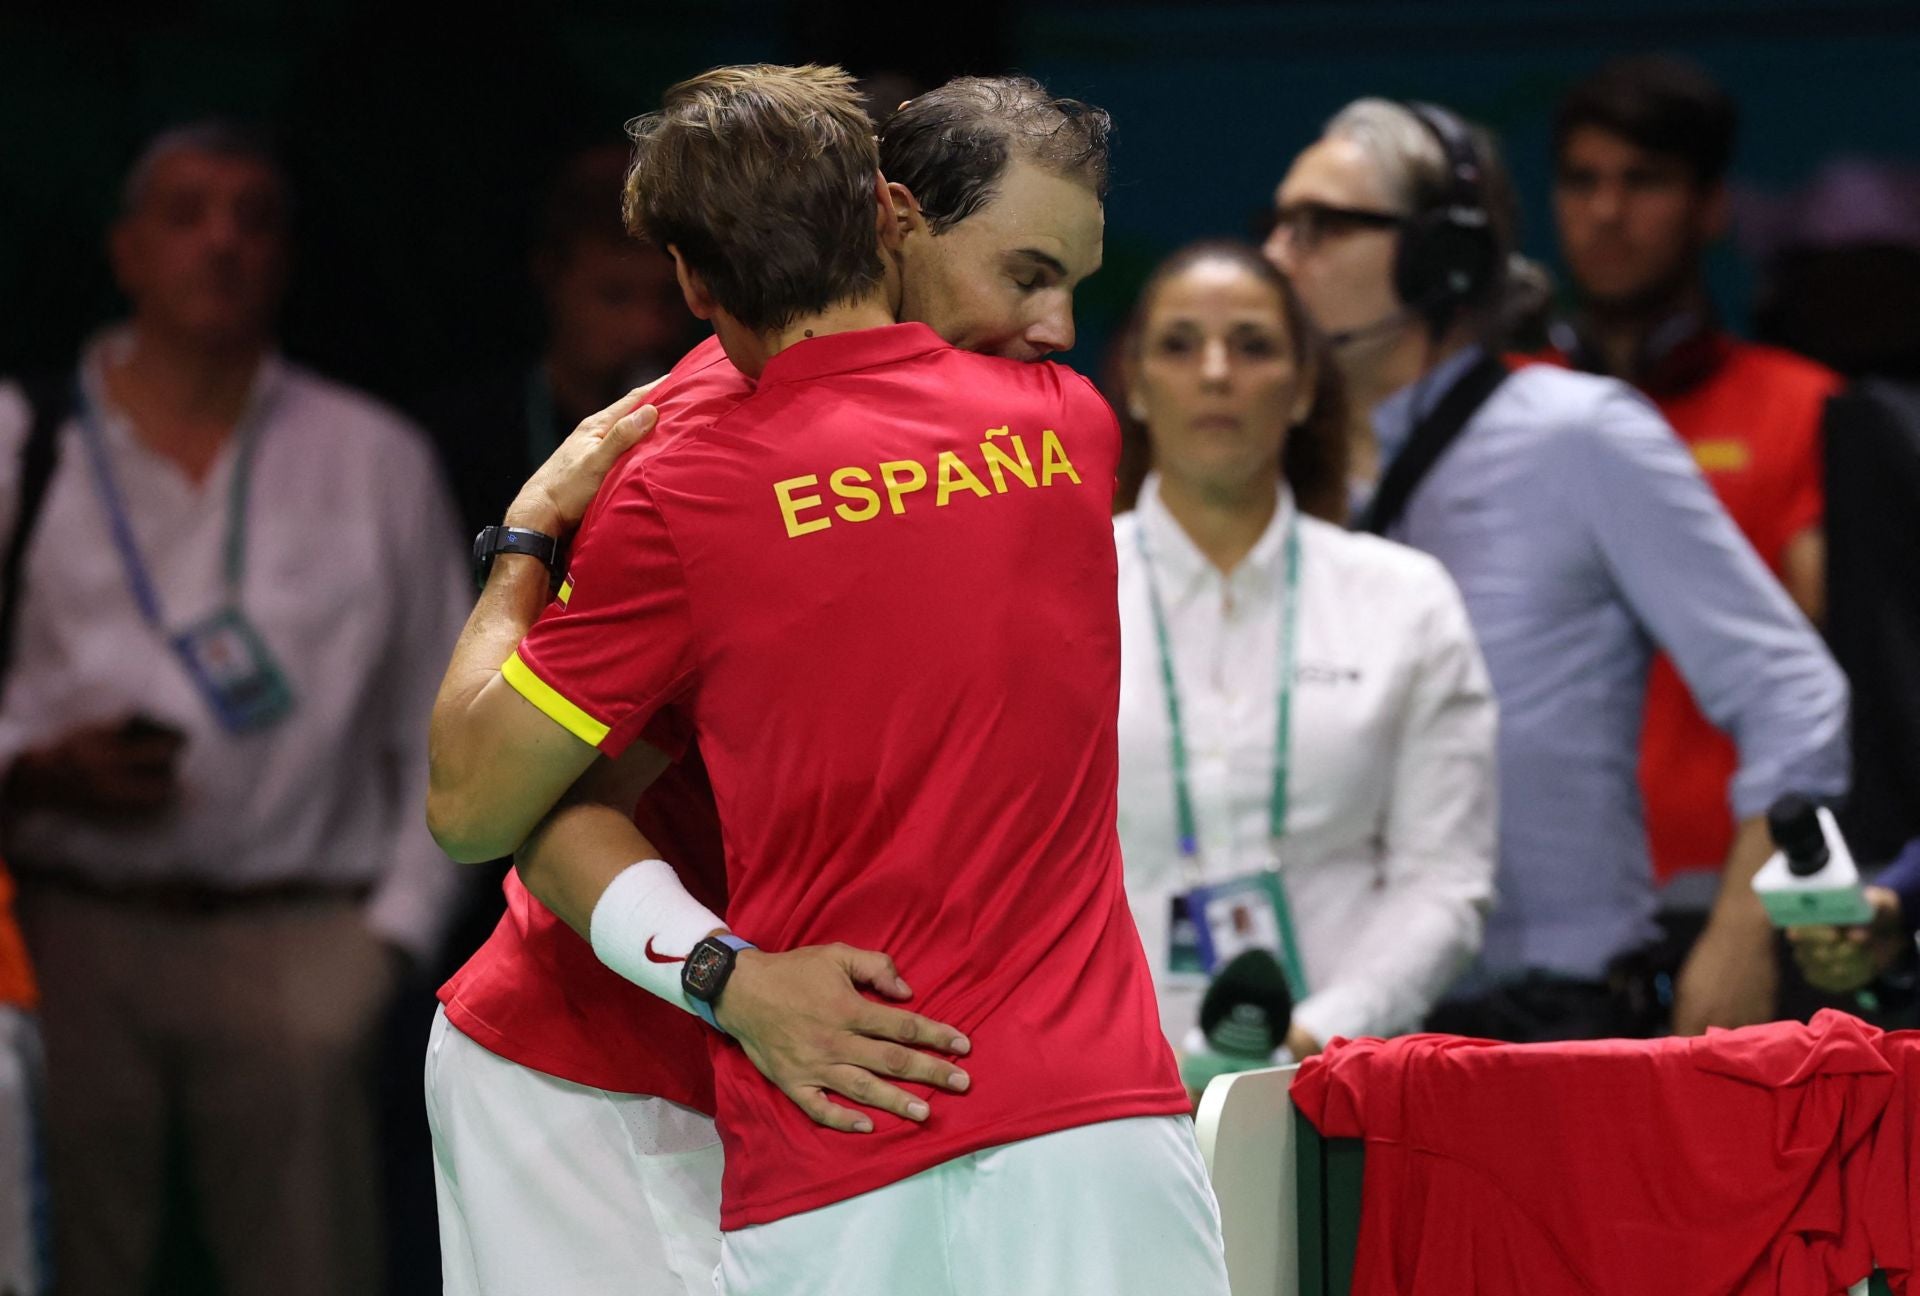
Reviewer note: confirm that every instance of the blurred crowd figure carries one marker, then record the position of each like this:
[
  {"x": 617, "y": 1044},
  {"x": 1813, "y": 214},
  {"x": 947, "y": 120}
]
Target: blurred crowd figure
[
  {"x": 612, "y": 319},
  {"x": 1471, "y": 640},
  {"x": 234, "y": 607}
]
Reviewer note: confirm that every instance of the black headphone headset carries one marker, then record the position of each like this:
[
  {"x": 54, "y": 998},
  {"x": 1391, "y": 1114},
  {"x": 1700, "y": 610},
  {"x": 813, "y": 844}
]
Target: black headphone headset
[{"x": 1448, "y": 256}]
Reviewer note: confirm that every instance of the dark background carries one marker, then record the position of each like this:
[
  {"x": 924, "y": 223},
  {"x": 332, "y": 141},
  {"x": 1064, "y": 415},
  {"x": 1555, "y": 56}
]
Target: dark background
[{"x": 419, "y": 140}]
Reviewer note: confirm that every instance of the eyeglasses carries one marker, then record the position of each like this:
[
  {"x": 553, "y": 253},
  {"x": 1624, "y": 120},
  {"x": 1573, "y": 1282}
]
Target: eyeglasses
[{"x": 1307, "y": 223}]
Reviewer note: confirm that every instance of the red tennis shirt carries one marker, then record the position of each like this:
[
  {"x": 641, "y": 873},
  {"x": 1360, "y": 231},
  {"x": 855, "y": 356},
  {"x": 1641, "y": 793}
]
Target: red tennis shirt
[
  {"x": 535, "y": 993},
  {"x": 881, "y": 594}
]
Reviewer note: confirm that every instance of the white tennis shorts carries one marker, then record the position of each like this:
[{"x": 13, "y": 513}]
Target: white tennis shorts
[
  {"x": 546, "y": 1186},
  {"x": 1120, "y": 1208}
]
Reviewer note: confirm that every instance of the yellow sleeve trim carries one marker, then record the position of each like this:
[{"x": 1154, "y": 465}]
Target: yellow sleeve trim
[{"x": 555, "y": 707}]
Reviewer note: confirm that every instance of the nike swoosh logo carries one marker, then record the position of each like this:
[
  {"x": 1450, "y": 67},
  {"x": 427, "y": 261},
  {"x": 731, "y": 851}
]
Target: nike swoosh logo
[{"x": 661, "y": 958}]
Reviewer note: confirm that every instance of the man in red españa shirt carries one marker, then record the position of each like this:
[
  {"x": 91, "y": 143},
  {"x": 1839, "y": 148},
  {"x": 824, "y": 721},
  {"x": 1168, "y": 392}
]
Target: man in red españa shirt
[
  {"x": 880, "y": 594},
  {"x": 571, "y": 1109}
]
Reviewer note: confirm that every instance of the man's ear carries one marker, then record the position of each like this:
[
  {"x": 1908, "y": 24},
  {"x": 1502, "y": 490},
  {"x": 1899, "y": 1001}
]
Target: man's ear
[
  {"x": 885, "y": 221},
  {"x": 908, "y": 219},
  {"x": 699, "y": 300}
]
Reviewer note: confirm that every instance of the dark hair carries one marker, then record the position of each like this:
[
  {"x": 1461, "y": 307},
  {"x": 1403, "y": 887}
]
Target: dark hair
[
  {"x": 950, "y": 146},
  {"x": 1659, "y": 103},
  {"x": 220, "y": 137},
  {"x": 762, "y": 177},
  {"x": 582, "y": 202},
  {"x": 1314, "y": 461}
]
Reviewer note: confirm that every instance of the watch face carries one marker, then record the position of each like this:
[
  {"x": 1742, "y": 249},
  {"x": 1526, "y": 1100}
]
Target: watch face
[{"x": 706, "y": 968}]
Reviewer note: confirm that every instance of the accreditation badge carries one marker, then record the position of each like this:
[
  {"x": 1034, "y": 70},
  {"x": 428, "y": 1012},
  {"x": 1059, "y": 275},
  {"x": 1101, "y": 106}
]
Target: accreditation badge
[
  {"x": 235, "y": 672},
  {"x": 1231, "y": 917},
  {"x": 1183, "y": 943}
]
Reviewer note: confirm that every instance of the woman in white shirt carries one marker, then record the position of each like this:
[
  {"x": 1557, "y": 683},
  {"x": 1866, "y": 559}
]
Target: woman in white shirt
[{"x": 1297, "y": 702}]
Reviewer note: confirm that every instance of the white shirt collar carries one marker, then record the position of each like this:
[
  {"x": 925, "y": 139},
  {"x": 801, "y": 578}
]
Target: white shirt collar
[
  {"x": 111, "y": 344},
  {"x": 1185, "y": 572}
]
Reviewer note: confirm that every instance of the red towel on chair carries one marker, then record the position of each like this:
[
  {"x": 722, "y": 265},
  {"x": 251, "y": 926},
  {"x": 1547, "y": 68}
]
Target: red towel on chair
[
  {"x": 1741, "y": 1162},
  {"x": 1893, "y": 1198}
]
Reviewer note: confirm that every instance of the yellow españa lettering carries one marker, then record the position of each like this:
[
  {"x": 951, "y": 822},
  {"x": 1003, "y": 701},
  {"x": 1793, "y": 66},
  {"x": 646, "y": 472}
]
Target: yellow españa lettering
[
  {"x": 997, "y": 459},
  {"x": 790, "y": 505},
  {"x": 902, "y": 477},
  {"x": 843, "y": 479},
  {"x": 1053, "y": 460},
  {"x": 956, "y": 476},
  {"x": 1003, "y": 455}
]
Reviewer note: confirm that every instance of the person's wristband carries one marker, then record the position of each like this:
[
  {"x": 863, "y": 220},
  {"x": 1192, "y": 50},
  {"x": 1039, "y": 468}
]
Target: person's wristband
[{"x": 645, "y": 924}]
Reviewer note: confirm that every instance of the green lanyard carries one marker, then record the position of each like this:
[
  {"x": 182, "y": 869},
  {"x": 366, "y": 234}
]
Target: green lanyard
[{"x": 1186, "y": 821}]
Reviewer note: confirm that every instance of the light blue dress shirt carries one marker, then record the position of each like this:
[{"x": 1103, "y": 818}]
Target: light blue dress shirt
[{"x": 1582, "y": 537}]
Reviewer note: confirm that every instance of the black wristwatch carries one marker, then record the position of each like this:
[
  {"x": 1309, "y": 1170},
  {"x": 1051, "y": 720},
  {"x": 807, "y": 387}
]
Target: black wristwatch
[
  {"x": 495, "y": 540},
  {"x": 704, "y": 975}
]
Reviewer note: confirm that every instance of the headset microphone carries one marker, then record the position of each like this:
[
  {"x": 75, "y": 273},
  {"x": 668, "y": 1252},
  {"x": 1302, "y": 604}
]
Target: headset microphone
[
  {"x": 1362, "y": 332},
  {"x": 1406, "y": 313}
]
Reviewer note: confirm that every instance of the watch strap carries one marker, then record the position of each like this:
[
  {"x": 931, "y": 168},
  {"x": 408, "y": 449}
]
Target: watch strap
[
  {"x": 496, "y": 540},
  {"x": 703, "y": 1009}
]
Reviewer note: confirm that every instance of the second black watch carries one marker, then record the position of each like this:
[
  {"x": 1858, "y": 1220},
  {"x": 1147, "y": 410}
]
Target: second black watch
[{"x": 496, "y": 540}]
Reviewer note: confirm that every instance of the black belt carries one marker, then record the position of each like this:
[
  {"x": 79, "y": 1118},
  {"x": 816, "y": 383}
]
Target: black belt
[{"x": 193, "y": 896}]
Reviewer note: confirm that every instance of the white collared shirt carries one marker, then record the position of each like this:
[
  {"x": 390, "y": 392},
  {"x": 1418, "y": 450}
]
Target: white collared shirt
[
  {"x": 354, "y": 580},
  {"x": 1388, "y": 854}
]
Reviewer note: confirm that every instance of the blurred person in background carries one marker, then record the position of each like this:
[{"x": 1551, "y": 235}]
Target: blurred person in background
[
  {"x": 25, "y": 1248},
  {"x": 613, "y": 318},
  {"x": 1582, "y": 537},
  {"x": 234, "y": 607},
  {"x": 1641, "y": 150},
  {"x": 1298, "y": 703}
]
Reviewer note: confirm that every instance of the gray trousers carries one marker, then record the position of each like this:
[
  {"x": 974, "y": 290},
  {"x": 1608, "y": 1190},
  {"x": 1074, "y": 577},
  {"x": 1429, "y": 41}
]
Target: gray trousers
[{"x": 249, "y": 1030}]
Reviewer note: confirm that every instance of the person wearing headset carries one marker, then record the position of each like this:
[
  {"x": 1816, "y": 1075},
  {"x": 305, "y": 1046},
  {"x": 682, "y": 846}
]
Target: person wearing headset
[
  {"x": 1306, "y": 726},
  {"x": 1582, "y": 537}
]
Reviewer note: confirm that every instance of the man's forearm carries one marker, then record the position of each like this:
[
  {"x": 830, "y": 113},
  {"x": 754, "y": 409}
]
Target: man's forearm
[
  {"x": 575, "y": 852},
  {"x": 1736, "y": 903},
  {"x": 1730, "y": 979}
]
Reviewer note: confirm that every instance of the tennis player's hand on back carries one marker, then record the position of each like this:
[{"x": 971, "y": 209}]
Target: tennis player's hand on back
[
  {"x": 803, "y": 1021},
  {"x": 555, "y": 498}
]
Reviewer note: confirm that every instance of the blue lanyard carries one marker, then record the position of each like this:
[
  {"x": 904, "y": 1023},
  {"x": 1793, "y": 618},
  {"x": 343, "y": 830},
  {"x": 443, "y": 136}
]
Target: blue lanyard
[{"x": 139, "y": 580}]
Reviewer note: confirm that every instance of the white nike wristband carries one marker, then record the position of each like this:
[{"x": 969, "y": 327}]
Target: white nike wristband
[{"x": 644, "y": 926}]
